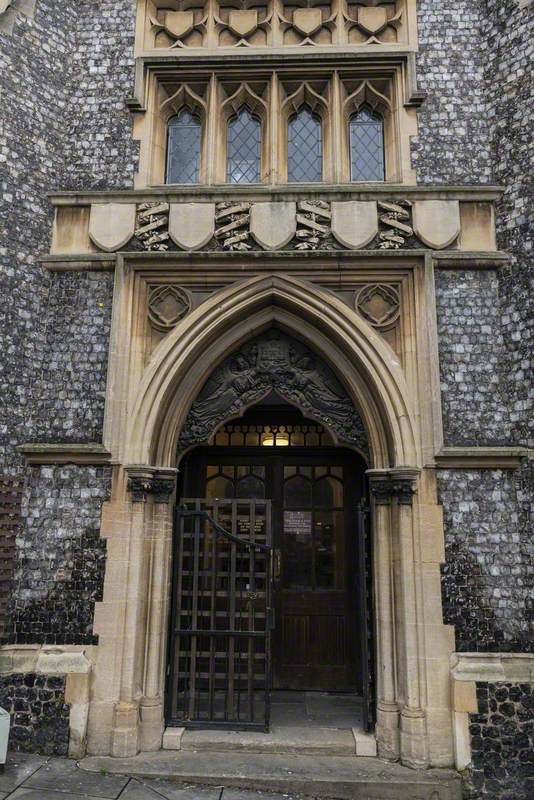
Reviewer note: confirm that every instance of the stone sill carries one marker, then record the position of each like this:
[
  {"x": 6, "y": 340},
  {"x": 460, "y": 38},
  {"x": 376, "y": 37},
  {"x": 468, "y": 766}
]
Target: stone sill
[
  {"x": 43, "y": 660},
  {"x": 481, "y": 457},
  {"x": 493, "y": 667},
  {"x": 83, "y": 454},
  {"x": 266, "y": 192}
]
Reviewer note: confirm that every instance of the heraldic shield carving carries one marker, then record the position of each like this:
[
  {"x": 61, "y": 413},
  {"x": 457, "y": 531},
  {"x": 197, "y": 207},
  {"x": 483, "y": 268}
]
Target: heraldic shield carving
[{"x": 273, "y": 362}]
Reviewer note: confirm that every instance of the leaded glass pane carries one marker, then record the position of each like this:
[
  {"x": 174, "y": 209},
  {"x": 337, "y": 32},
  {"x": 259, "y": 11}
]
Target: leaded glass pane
[
  {"x": 183, "y": 148},
  {"x": 244, "y": 148},
  {"x": 367, "y": 146},
  {"x": 304, "y": 148}
]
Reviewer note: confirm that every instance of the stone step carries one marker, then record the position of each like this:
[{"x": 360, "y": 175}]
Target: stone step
[
  {"x": 335, "y": 777},
  {"x": 280, "y": 740}
]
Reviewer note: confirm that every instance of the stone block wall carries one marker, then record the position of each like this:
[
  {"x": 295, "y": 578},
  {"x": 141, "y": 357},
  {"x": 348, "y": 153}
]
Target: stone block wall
[
  {"x": 472, "y": 359},
  {"x": 70, "y": 390},
  {"x": 488, "y": 578},
  {"x": 39, "y": 714},
  {"x": 502, "y": 739},
  {"x": 59, "y": 570}
]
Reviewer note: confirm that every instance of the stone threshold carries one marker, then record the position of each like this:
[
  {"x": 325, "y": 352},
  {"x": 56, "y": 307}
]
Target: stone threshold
[
  {"x": 294, "y": 740},
  {"x": 336, "y": 777}
]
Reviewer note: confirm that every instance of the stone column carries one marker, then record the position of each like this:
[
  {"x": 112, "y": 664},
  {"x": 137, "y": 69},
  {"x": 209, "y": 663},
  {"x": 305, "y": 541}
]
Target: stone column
[
  {"x": 387, "y": 710},
  {"x": 413, "y": 738},
  {"x": 151, "y": 705},
  {"x": 138, "y": 724}
]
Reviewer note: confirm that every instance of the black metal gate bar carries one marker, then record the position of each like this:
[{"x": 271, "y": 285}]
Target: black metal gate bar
[
  {"x": 366, "y": 610},
  {"x": 219, "y": 668}
]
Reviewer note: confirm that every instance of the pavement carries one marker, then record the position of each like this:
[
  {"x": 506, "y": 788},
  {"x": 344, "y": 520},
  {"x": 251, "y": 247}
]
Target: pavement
[{"x": 29, "y": 777}]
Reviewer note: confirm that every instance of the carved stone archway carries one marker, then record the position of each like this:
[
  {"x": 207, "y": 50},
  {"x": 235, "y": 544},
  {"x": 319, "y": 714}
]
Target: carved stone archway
[
  {"x": 275, "y": 362},
  {"x": 155, "y": 405}
]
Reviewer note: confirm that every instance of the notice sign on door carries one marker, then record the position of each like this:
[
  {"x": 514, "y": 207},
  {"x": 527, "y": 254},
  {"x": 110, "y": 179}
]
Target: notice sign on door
[{"x": 298, "y": 523}]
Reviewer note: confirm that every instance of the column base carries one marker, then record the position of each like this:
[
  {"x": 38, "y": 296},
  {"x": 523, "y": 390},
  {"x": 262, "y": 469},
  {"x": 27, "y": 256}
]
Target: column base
[
  {"x": 151, "y": 725},
  {"x": 413, "y": 738},
  {"x": 125, "y": 733},
  {"x": 387, "y": 731}
]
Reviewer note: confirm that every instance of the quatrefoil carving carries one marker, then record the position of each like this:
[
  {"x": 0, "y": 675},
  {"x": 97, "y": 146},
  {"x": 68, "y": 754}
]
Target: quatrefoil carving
[
  {"x": 167, "y": 305},
  {"x": 379, "y": 304}
]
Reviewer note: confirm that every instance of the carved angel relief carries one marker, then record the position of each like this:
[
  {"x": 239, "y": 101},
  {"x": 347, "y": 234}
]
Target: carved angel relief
[
  {"x": 373, "y": 21},
  {"x": 273, "y": 362}
]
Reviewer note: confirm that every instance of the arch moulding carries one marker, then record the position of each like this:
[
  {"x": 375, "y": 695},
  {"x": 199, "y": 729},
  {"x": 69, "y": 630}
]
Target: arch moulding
[
  {"x": 180, "y": 365},
  {"x": 149, "y": 398}
]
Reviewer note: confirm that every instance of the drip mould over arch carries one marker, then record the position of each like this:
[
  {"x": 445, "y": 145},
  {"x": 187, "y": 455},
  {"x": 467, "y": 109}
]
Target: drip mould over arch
[{"x": 366, "y": 366}]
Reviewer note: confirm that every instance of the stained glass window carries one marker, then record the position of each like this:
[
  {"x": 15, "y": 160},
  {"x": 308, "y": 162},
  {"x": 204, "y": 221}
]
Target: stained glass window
[
  {"x": 304, "y": 147},
  {"x": 367, "y": 146},
  {"x": 183, "y": 148},
  {"x": 244, "y": 148}
]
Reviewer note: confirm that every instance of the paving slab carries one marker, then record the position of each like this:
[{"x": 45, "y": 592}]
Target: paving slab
[
  {"x": 24, "y": 793},
  {"x": 63, "y": 775},
  {"x": 340, "y": 777},
  {"x": 304, "y": 740},
  {"x": 173, "y": 791},
  {"x": 137, "y": 790},
  {"x": 19, "y": 767}
]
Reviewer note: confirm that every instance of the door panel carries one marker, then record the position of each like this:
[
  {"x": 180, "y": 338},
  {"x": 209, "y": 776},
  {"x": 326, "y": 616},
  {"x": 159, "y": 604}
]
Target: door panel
[{"x": 316, "y": 644}]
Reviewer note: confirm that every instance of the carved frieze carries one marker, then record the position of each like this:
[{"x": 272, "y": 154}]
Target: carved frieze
[
  {"x": 395, "y": 223},
  {"x": 273, "y": 362},
  {"x": 167, "y": 305},
  {"x": 313, "y": 223},
  {"x": 232, "y": 225},
  {"x": 153, "y": 226}
]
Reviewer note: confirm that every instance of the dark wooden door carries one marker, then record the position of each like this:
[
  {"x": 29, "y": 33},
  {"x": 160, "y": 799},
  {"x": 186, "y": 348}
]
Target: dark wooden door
[{"x": 315, "y": 495}]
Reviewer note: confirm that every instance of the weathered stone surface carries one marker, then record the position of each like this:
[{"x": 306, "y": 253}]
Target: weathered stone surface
[
  {"x": 354, "y": 224},
  {"x": 39, "y": 714},
  {"x": 112, "y": 225},
  {"x": 273, "y": 225},
  {"x": 502, "y": 741},
  {"x": 191, "y": 225},
  {"x": 437, "y": 222}
]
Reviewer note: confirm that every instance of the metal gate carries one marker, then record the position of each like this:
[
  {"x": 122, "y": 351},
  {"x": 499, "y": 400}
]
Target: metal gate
[
  {"x": 219, "y": 664},
  {"x": 367, "y": 616}
]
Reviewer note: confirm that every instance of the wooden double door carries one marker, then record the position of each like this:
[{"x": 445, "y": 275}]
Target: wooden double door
[{"x": 320, "y": 632}]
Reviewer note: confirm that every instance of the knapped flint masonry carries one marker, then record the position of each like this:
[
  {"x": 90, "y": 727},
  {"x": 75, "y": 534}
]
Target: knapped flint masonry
[{"x": 288, "y": 268}]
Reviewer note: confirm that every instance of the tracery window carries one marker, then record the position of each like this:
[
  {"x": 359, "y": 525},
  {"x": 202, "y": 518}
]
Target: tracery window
[
  {"x": 304, "y": 147},
  {"x": 183, "y": 147},
  {"x": 244, "y": 148},
  {"x": 366, "y": 133}
]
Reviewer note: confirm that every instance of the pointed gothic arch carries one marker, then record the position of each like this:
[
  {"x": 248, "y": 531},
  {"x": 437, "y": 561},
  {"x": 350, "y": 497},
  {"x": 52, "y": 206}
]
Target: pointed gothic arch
[{"x": 366, "y": 366}]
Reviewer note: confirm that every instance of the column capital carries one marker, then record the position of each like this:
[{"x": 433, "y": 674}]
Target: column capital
[
  {"x": 404, "y": 480},
  {"x": 380, "y": 485},
  {"x": 157, "y": 482}
]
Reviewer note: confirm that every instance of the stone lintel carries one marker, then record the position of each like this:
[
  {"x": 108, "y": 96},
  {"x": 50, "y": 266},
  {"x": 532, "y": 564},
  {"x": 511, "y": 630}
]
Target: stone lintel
[
  {"x": 92, "y": 454},
  {"x": 332, "y": 192},
  {"x": 481, "y": 457},
  {"x": 156, "y": 482}
]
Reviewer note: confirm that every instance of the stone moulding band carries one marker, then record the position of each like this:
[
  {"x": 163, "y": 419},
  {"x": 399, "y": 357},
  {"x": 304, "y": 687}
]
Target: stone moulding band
[
  {"x": 481, "y": 457},
  {"x": 92, "y": 454}
]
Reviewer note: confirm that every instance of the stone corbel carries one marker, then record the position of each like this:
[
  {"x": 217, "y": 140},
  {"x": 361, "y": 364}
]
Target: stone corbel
[{"x": 145, "y": 481}]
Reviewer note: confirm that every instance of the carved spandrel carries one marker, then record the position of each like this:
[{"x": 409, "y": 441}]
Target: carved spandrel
[{"x": 273, "y": 362}]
